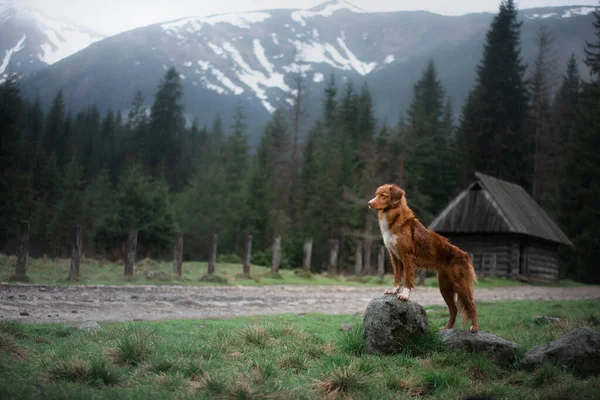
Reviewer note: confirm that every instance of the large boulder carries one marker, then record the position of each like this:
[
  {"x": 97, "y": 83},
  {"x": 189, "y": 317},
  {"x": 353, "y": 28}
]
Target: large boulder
[
  {"x": 578, "y": 350},
  {"x": 500, "y": 350},
  {"x": 388, "y": 322}
]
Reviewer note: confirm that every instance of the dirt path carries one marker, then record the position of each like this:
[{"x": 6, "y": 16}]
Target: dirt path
[{"x": 49, "y": 303}]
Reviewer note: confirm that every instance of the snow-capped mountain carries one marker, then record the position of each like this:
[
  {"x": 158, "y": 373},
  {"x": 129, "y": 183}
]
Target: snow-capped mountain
[
  {"x": 251, "y": 58},
  {"x": 30, "y": 40}
]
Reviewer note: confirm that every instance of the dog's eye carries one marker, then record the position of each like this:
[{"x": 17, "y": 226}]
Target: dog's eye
[{"x": 383, "y": 195}]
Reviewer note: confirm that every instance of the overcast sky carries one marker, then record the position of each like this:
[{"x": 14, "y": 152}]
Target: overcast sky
[{"x": 114, "y": 16}]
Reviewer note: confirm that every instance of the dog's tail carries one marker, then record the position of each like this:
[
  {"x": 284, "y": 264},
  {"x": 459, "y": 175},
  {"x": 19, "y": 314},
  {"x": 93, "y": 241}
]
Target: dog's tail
[{"x": 464, "y": 289}]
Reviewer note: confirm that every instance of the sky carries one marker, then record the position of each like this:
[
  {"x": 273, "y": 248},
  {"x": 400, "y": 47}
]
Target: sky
[{"x": 113, "y": 16}]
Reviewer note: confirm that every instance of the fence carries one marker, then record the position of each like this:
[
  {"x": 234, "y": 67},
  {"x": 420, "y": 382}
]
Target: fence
[{"x": 178, "y": 242}]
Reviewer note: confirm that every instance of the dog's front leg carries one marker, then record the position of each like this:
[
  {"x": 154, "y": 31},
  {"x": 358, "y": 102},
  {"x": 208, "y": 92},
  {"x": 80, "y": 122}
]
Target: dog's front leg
[
  {"x": 409, "y": 273},
  {"x": 398, "y": 269}
]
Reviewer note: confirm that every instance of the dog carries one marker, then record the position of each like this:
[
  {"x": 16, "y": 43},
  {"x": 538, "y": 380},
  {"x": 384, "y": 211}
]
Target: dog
[{"x": 413, "y": 246}]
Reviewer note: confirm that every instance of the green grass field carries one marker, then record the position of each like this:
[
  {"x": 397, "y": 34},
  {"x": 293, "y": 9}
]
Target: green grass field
[
  {"x": 106, "y": 273},
  {"x": 282, "y": 357}
]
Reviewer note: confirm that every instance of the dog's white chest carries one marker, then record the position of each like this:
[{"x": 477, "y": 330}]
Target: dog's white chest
[{"x": 388, "y": 237}]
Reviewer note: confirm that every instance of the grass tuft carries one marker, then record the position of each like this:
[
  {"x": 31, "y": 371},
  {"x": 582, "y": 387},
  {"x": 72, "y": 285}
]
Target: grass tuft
[
  {"x": 342, "y": 381},
  {"x": 352, "y": 341},
  {"x": 214, "y": 278},
  {"x": 439, "y": 380},
  {"x": 132, "y": 348},
  {"x": 11, "y": 327},
  {"x": 71, "y": 369},
  {"x": 7, "y": 344},
  {"x": 422, "y": 344}
]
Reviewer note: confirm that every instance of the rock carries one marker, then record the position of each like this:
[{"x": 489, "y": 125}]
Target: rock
[
  {"x": 578, "y": 349},
  {"x": 545, "y": 320},
  {"x": 24, "y": 313},
  {"x": 389, "y": 321},
  {"x": 346, "y": 327},
  {"x": 74, "y": 311},
  {"x": 500, "y": 350},
  {"x": 90, "y": 326}
]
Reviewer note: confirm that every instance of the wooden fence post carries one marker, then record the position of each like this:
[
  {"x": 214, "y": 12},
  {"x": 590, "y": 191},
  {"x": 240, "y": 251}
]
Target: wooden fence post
[
  {"x": 131, "y": 249},
  {"x": 213, "y": 255},
  {"x": 178, "y": 254},
  {"x": 334, "y": 246},
  {"x": 358, "y": 258},
  {"x": 23, "y": 251},
  {"x": 75, "y": 253},
  {"x": 308, "y": 242},
  {"x": 381, "y": 262},
  {"x": 247, "y": 255},
  {"x": 276, "y": 254}
]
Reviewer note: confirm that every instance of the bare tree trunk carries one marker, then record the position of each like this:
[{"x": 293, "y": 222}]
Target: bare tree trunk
[
  {"x": 367, "y": 260},
  {"x": 131, "y": 249},
  {"x": 75, "y": 253},
  {"x": 308, "y": 242},
  {"x": 213, "y": 255},
  {"x": 22, "y": 252},
  {"x": 381, "y": 262},
  {"x": 276, "y": 254},
  {"x": 334, "y": 246},
  {"x": 178, "y": 254},
  {"x": 247, "y": 254},
  {"x": 358, "y": 261}
]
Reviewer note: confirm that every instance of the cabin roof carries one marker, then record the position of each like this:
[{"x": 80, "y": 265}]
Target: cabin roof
[{"x": 491, "y": 205}]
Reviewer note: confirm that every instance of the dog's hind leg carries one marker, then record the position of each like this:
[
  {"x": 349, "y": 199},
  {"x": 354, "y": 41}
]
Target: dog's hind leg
[
  {"x": 467, "y": 304},
  {"x": 447, "y": 290}
]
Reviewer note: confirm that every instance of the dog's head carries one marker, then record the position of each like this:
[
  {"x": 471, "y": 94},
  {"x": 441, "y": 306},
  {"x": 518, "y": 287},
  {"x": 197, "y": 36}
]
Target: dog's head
[{"x": 386, "y": 197}]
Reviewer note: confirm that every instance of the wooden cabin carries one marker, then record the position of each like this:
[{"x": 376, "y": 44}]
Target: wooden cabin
[{"x": 506, "y": 233}]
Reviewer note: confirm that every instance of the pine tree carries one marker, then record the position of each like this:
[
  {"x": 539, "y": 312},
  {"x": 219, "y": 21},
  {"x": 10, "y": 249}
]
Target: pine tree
[
  {"x": 592, "y": 50},
  {"x": 579, "y": 191},
  {"x": 165, "y": 138},
  {"x": 497, "y": 110},
  {"x": 99, "y": 205},
  {"x": 428, "y": 145},
  {"x": 541, "y": 87},
  {"x": 53, "y": 136},
  {"x": 67, "y": 209}
]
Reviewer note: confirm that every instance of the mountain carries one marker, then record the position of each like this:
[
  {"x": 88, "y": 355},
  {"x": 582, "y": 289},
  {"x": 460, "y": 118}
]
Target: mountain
[
  {"x": 30, "y": 41},
  {"x": 251, "y": 58}
]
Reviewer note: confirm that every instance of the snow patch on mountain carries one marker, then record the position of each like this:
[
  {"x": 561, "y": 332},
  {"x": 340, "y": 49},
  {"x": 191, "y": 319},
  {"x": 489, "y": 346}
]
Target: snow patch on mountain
[
  {"x": 361, "y": 67},
  {"x": 9, "y": 53},
  {"x": 389, "y": 59},
  {"x": 318, "y": 77},
  {"x": 578, "y": 11},
  {"x": 194, "y": 24},
  {"x": 259, "y": 52},
  {"x": 324, "y": 10}
]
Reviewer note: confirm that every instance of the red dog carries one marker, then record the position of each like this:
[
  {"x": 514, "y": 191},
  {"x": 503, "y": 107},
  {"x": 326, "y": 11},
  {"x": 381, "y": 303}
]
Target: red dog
[{"x": 413, "y": 246}]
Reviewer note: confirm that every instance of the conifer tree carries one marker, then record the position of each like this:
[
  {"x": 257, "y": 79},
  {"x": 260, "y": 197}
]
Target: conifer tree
[
  {"x": 493, "y": 126},
  {"x": 579, "y": 191},
  {"x": 53, "y": 140},
  {"x": 165, "y": 138}
]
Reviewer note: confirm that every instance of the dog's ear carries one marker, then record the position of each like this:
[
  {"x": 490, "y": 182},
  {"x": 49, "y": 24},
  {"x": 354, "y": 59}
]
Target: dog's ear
[{"x": 396, "y": 194}]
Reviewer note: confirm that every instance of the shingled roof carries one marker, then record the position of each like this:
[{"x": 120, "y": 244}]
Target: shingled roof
[{"x": 493, "y": 205}]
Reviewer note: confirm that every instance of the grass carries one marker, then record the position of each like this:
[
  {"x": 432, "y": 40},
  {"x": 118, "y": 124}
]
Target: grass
[
  {"x": 101, "y": 272},
  {"x": 283, "y": 357}
]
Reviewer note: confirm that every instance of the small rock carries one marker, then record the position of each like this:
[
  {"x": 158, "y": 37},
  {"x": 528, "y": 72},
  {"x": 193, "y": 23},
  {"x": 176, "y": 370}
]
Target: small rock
[
  {"x": 158, "y": 275},
  {"x": 578, "y": 349},
  {"x": 541, "y": 320},
  {"x": 134, "y": 297},
  {"x": 346, "y": 327},
  {"x": 90, "y": 326},
  {"x": 74, "y": 311},
  {"x": 388, "y": 321},
  {"x": 42, "y": 289},
  {"x": 300, "y": 314},
  {"x": 49, "y": 315},
  {"x": 24, "y": 313},
  {"x": 501, "y": 350},
  {"x": 202, "y": 326}
]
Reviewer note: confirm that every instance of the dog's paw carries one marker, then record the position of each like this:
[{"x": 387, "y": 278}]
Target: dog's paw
[
  {"x": 404, "y": 295},
  {"x": 445, "y": 327},
  {"x": 392, "y": 291},
  {"x": 474, "y": 329}
]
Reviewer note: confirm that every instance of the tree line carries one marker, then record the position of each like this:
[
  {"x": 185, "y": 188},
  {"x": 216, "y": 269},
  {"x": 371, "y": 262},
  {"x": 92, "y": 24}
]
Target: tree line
[{"x": 152, "y": 171}]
